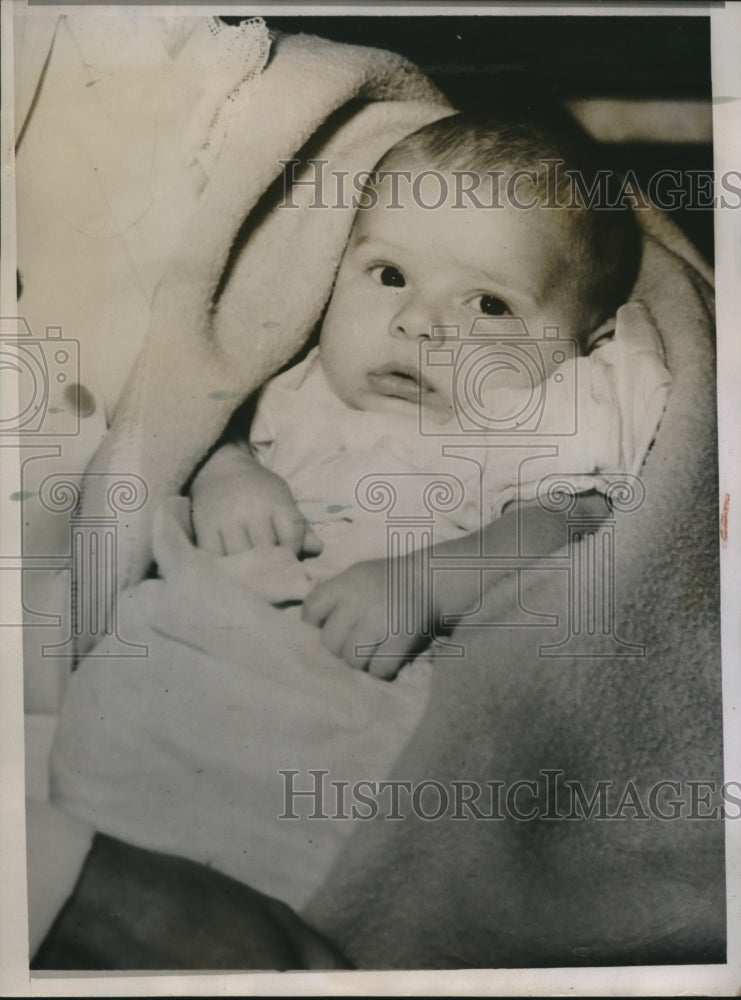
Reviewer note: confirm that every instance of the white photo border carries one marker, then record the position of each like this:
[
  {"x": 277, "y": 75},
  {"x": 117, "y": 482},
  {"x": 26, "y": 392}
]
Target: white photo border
[{"x": 714, "y": 980}]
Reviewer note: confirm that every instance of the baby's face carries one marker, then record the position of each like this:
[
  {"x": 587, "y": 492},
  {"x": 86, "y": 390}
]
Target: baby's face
[{"x": 409, "y": 269}]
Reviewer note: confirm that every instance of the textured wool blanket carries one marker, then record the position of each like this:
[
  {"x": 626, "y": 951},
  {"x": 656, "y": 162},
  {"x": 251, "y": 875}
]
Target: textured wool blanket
[{"x": 629, "y": 697}]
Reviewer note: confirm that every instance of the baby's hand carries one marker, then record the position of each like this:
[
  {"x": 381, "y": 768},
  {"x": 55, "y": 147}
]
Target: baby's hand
[
  {"x": 351, "y": 611},
  {"x": 247, "y": 508}
]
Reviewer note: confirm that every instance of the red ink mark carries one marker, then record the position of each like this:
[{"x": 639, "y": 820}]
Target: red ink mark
[{"x": 724, "y": 518}]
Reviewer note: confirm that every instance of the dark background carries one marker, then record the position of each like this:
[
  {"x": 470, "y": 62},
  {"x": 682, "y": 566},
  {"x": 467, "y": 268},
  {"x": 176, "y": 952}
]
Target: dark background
[{"x": 473, "y": 58}]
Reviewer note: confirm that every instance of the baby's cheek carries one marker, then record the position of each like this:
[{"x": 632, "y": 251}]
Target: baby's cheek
[
  {"x": 339, "y": 376},
  {"x": 439, "y": 408}
]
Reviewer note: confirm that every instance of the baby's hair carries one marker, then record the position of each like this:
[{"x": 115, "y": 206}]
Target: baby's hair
[{"x": 604, "y": 242}]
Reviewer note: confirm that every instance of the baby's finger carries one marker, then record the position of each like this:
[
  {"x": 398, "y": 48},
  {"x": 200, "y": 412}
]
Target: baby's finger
[
  {"x": 289, "y": 527},
  {"x": 208, "y": 537},
  {"x": 313, "y": 544},
  {"x": 384, "y": 665},
  {"x": 205, "y": 532},
  {"x": 260, "y": 532},
  {"x": 336, "y": 630},
  {"x": 235, "y": 538},
  {"x": 318, "y": 604},
  {"x": 355, "y": 651}
]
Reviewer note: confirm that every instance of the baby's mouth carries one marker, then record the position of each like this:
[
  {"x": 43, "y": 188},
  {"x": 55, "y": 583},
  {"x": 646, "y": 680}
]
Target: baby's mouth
[{"x": 401, "y": 381}]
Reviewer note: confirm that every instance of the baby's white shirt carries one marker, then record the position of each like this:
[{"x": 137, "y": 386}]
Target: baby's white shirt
[{"x": 331, "y": 455}]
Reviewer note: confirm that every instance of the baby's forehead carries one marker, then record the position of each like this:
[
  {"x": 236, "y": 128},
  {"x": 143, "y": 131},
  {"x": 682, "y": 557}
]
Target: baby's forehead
[{"x": 408, "y": 211}]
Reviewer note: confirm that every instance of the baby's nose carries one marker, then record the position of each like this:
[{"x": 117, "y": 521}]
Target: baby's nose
[{"x": 414, "y": 320}]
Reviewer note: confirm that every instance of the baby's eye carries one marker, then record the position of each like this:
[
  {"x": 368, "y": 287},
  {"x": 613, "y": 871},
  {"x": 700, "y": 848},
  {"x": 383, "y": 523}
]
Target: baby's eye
[
  {"x": 388, "y": 275},
  {"x": 490, "y": 305}
]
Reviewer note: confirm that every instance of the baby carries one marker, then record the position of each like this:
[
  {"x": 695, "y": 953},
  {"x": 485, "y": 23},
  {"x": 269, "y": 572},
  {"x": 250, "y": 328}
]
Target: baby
[
  {"x": 409, "y": 272},
  {"x": 259, "y": 696}
]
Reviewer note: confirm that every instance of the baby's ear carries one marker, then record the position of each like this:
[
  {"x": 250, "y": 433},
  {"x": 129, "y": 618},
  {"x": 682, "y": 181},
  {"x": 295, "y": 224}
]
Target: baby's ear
[{"x": 605, "y": 331}]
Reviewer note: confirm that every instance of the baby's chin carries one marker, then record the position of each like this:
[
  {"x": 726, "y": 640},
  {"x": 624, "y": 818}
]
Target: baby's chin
[{"x": 432, "y": 408}]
